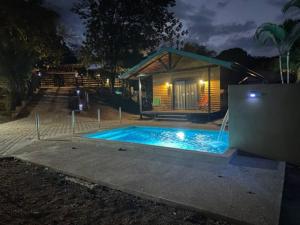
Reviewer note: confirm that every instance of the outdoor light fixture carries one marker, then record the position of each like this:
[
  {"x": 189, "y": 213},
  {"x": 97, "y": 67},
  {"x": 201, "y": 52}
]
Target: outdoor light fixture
[
  {"x": 201, "y": 82},
  {"x": 142, "y": 75},
  {"x": 180, "y": 135},
  {"x": 39, "y": 74},
  {"x": 80, "y": 107},
  {"x": 78, "y": 91},
  {"x": 167, "y": 84},
  {"x": 254, "y": 94}
]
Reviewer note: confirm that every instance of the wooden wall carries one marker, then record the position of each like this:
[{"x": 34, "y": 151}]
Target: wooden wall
[
  {"x": 165, "y": 93},
  {"x": 215, "y": 89}
]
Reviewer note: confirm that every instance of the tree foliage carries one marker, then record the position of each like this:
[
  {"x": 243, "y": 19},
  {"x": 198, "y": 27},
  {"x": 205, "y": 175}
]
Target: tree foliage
[
  {"x": 291, "y": 4},
  {"x": 283, "y": 37},
  {"x": 119, "y": 30},
  {"x": 28, "y": 35},
  {"x": 198, "y": 49}
]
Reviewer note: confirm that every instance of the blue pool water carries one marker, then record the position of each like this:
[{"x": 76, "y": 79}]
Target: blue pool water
[{"x": 186, "y": 139}]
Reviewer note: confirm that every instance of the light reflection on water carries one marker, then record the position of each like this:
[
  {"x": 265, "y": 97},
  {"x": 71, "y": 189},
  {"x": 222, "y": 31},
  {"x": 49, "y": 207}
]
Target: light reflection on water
[{"x": 187, "y": 139}]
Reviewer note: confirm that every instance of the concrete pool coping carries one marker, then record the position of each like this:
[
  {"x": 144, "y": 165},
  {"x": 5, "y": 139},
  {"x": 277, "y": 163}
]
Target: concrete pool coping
[{"x": 216, "y": 186}]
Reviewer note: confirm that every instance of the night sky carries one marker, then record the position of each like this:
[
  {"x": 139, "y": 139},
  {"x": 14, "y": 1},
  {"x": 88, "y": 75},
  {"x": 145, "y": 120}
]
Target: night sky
[{"x": 218, "y": 24}]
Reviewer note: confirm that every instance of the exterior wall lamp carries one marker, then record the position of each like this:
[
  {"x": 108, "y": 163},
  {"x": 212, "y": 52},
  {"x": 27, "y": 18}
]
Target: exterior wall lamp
[
  {"x": 254, "y": 94},
  {"x": 201, "y": 82}
]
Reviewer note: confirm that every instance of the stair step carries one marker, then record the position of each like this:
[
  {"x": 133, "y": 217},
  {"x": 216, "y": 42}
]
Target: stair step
[
  {"x": 171, "y": 119},
  {"x": 171, "y": 115}
]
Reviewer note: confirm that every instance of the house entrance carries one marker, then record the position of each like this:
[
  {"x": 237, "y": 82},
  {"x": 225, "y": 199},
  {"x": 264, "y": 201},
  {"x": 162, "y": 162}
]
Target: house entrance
[{"x": 185, "y": 95}]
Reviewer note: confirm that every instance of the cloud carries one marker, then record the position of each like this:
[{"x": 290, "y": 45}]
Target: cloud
[
  {"x": 223, "y": 4},
  {"x": 219, "y": 24},
  {"x": 202, "y": 27},
  {"x": 249, "y": 44},
  {"x": 223, "y": 24},
  {"x": 277, "y": 3}
]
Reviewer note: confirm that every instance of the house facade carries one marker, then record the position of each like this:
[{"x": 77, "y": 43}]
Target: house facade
[{"x": 183, "y": 83}]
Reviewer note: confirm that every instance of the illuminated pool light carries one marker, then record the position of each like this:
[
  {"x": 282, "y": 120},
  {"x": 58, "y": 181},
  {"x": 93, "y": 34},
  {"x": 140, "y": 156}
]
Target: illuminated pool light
[{"x": 180, "y": 135}]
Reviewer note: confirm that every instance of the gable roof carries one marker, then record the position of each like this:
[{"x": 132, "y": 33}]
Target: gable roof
[
  {"x": 156, "y": 55},
  {"x": 214, "y": 61}
]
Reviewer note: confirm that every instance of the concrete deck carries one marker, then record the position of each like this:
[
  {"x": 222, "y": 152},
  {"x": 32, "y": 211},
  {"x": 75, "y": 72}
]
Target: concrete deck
[{"x": 243, "y": 189}]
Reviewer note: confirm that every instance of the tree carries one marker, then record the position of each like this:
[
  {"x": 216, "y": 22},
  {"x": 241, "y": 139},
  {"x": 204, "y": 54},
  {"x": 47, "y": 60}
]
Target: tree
[
  {"x": 282, "y": 39},
  {"x": 236, "y": 55},
  {"x": 291, "y": 4},
  {"x": 28, "y": 34},
  {"x": 295, "y": 52},
  {"x": 118, "y": 29},
  {"x": 198, "y": 49}
]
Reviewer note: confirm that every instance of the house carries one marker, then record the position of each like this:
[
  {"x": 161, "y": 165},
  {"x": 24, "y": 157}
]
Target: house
[{"x": 185, "y": 84}]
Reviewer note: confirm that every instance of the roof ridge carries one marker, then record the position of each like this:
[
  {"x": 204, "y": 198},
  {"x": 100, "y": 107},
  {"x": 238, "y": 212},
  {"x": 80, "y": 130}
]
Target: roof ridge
[{"x": 187, "y": 54}]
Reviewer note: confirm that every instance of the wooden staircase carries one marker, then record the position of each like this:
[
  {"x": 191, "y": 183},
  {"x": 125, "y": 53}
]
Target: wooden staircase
[
  {"x": 51, "y": 79},
  {"x": 68, "y": 80}
]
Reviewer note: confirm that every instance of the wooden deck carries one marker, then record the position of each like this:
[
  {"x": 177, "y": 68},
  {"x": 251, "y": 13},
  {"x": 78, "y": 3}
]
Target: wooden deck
[
  {"x": 175, "y": 112},
  {"x": 184, "y": 115}
]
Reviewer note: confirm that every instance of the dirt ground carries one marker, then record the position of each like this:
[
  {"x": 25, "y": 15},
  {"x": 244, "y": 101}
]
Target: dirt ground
[{"x": 32, "y": 195}]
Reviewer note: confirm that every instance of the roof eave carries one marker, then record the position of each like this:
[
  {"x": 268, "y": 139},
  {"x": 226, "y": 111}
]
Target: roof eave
[{"x": 134, "y": 70}]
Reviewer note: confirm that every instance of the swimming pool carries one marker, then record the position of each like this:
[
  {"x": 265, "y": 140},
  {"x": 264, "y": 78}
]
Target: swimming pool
[{"x": 186, "y": 139}]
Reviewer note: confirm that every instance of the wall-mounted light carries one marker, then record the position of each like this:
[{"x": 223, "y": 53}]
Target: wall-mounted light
[
  {"x": 167, "y": 84},
  {"x": 254, "y": 94},
  {"x": 78, "y": 91},
  {"x": 201, "y": 82}
]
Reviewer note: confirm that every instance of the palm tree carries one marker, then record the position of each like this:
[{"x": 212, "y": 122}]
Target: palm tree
[
  {"x": 283, "y": 40},
  {"x": 276, "y": 34},
  {"x": 291, "y": 4}
]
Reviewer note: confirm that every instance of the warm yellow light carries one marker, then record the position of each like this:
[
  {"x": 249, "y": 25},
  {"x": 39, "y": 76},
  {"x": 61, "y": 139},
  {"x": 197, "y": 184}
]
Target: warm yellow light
[
  {"x": 201, "y": 82},
  {"x": 168, "y": 84}
]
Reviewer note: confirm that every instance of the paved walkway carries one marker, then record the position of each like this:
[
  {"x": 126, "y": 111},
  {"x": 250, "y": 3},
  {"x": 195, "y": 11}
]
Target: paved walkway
[
  {"x": 56, "y": 121},
  {"x": 237, "y": 189},
  {"x": 243, "y": 189}
]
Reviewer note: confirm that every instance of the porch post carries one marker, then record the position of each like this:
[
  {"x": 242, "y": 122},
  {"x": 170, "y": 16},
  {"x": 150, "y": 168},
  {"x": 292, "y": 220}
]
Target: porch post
[
  {"x": 209, "y": 92},
  {"x": 140, "y": 97}
]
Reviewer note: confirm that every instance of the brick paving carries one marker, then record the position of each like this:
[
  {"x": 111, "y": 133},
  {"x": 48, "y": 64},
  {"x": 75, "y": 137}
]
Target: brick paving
[{"x": 55, "y": 121}]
